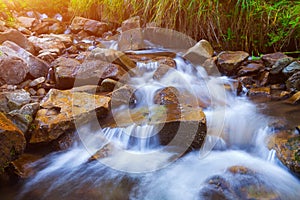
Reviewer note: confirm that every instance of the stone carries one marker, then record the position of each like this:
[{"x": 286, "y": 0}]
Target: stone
[
  {"x": 47, "y": 43},
  {"x": 291, "y": 68},
  {"x": 183, "y": 128},
  {"x": 64, "y": 72},
  {"x": 294, "y": 99},
  {"x": 261, "y": 91},
  {"x": 112, "y": 56},
  {"x": 37, "y": 67},
  {"x": 37, "y": 82},
  {"x": 107, "y": 150},
  {"x": 13, "y": 70},
  {"x": 167, "y": 96},
  {"x": 41, "y": 28},
  {"x": 13, "y": 100},
  {"x": 270, "y": 59},
  {"x": 251, "y": 68},
  {"x": 229, "y": 61},
  {"x": 123, "y": 95},
  {"x": 108, "y": 85},
  {"x": 56, "y": 28},
  {"x": 293, "y": 83},
  {"x": 199, "y": 53},
  {"x": 12, "y": 142},
  {"x": 210, "y": 66},
  {"x": 88, "y": 25},
  {"x": 131, "y": 23},
  {"x": 23, "y": 117},
  {"x": 47, "y": 56},
  {"x": 67, "y": 39},
  {"x": 41, "y": 92},
  {"x": 263, "y": 78},
  {"x": 131, "y": 40},
  {"x": 280, "y": 64},
  {"x": 26, "y": 22},
  {"x": 161, "y": 71},
  {"x": 63, "y": 111},
  {"x": 287, "y": 147},
  {"x": 18, "y": 38},
  {"x": 237, "y": 182}
]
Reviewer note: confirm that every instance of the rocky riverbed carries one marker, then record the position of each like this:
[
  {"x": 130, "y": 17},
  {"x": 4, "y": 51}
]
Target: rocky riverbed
[{"x": 57, "y": 77}]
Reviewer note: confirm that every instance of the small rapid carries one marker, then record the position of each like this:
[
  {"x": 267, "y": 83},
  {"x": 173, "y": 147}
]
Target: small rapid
[{"x": 138, "y": 167}]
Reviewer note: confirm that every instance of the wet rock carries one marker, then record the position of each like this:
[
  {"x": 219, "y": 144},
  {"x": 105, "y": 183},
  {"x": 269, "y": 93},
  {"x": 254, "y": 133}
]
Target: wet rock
[
  {"x": 37, "y": 67},
  {"x": 13, "y": 100},
  {"x": 90, "y": 26},
  {"x": 246, "y": 81},
  {"x": 112, "y": 56},
  {"x": 63, "y": 111},
  {"x": 294, "y": 99},
  {"x": 210, "y": 66},
  {"x": 167, "y": 96},
  {"x": 249, "y": 69},
  {"x": 279, "y": 94},
  {"x": 183, "y": 127},
  {"x": 131, "y": 23},
  {"x": 161, "y": 71},
  {"x": 270, "y": 59},
  {"x": 103, "y": 152},
  {"x": 291, "y": 68},
  {"x": 18, "y": 38},
  {"x": 13, "y": 69},
  {"x": 229, "y": 61},
  {"x": 287, "y": 147},
  {"x": 47, "y": 42},
  {"x": 263, "y": 78},
  {"x": 12, "y": 142},
  {"x": 262, "y": 91},
  {"x": 280, "y": 64},
  {"x": 27, "y": 22},
  {"x": 237, "y": 182},
  {"x": 123, "y": 95},
  {"x": 199, "y": 53},
  {"x": 64, "y": 69},
  {"x": 293, "y": 83},
  {"x": 108, "y": 85},
  {"x": 23, "y": 117}
]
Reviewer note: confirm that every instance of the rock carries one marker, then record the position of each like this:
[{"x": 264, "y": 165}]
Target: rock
[
  {"x": 262, "y": 91},
  {"x": 64, "y": 38},
  {"x": 237, "y": 182},
  {"x": 131, "y": 23},
  {"x": 90, "y": 26},
  {"x": 41, "y": 28},
  {"x": 123, "y": 95},
  {"x": 47, "y": 56},
  {"x": 199, "y": 53},
  {"x": 91, "y": 89},
  {"x": 23, "y": 117},
  {"x": 293, "y": 83},
  {"x": 270, "y": 59},
  {"x": 37, "y": 82},
  {"x": 41, "y": 92},
  {"x": 13, "y": 100},
  {"x": 18, "y": 38},
  {"x": 167, "y": 96},
  {"x": 13, "y": 70},
  {"x": 161, "y": 71},
  {"x": 210, "y": 66},
  {"x": 37, "y": 67},
  {"x": 108, "y": 85},
  {"x": 64, "y": 69},
  {"x": 63, "y": 111},
  {"x": 229, "y": 61},
  {"x": 93, "y": 72},
  {"x": 294, "y": 99},
  {"x": 287, "y": 147},
  {"x": 251, "y": 68},
  {"x": 103, "y": 152},
  {"x": 46, "y": 42},
  {"x": 56, "y": 28},
  {"x": 279, "y": 94},
  {"x": 26, "y": 22},
  {"x": 12, "y": 142},
  {"x": 280, "y": 64},
  {"x": 112, "y": 56},
  {"x": 263, "y": 78},
  {"x": 291, "y": 68},
  {"x": 183, "y": 128}
]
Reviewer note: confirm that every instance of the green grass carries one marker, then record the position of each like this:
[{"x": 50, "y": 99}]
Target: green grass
[{"x": 257, "y": 26}]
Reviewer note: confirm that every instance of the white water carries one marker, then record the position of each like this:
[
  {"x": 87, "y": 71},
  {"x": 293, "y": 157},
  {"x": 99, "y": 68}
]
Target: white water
[{"x": 236, "y": 136}]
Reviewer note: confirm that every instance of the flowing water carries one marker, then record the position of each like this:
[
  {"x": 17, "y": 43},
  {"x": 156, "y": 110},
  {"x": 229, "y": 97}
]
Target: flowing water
[{"x": 139, "y": 168}]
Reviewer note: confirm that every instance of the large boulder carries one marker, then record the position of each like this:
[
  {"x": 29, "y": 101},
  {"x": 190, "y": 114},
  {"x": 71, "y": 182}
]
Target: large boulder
[
  {"x": 199, "y": 53},
  {"x": 37, "y": 67},
  {"x": 287, "y": 147},
  {"x": 90, "y": 26},
  {"x": 229, "y": 61},
  {"x": 18, "y": 38},
  {"x": 62, "y": 111},
  {"x": 12, "y": 142}
]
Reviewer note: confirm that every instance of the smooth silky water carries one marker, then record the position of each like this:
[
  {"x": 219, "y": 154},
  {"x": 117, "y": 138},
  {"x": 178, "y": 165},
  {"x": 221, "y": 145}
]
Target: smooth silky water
[{"x": 142, "y": 169}]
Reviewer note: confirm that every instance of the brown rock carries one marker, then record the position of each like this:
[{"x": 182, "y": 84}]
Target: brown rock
[
  {"x": 270, "y": 59},
  {"x": 62, "y": 111},
  {"x": 293, "y": 83},
  {"x": 47, "y": 43},
  {"x": 108, "y": 85},
  {"x": 56, "y": 28},
  {"x": 13, "y": 100},
  {"x": 18, "y": 38},
  {"x": 123, "y": 96},
  {"x": 12, "y": 142},
  {"x": 294, "y": 99},
  {"x": 26, "y": 22},
  {"x": 167, "y": 96},
  {"x": 250, "y": 68},
  {"x": 131, "y": 23},
  {"x": 229, "y": 61},
  {"x": 88, "y": 25},
  {"x": 262, "y": 91}
]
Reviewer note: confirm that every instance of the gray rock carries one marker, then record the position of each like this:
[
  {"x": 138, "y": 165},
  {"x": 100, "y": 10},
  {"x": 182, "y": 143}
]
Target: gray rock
[
  {"x": 280, "y": 64},
  {"x": 293, "y": 83},
  {"x": 291, "y": 68}
]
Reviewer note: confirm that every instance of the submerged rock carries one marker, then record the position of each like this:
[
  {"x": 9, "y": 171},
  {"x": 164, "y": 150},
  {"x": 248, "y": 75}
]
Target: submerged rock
[
  {"x": 62, "y": 111},
  {"x": 287, "y": 147},
  {"x": 229, "y": 61},
  {"x": 12, "y": 142}
]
